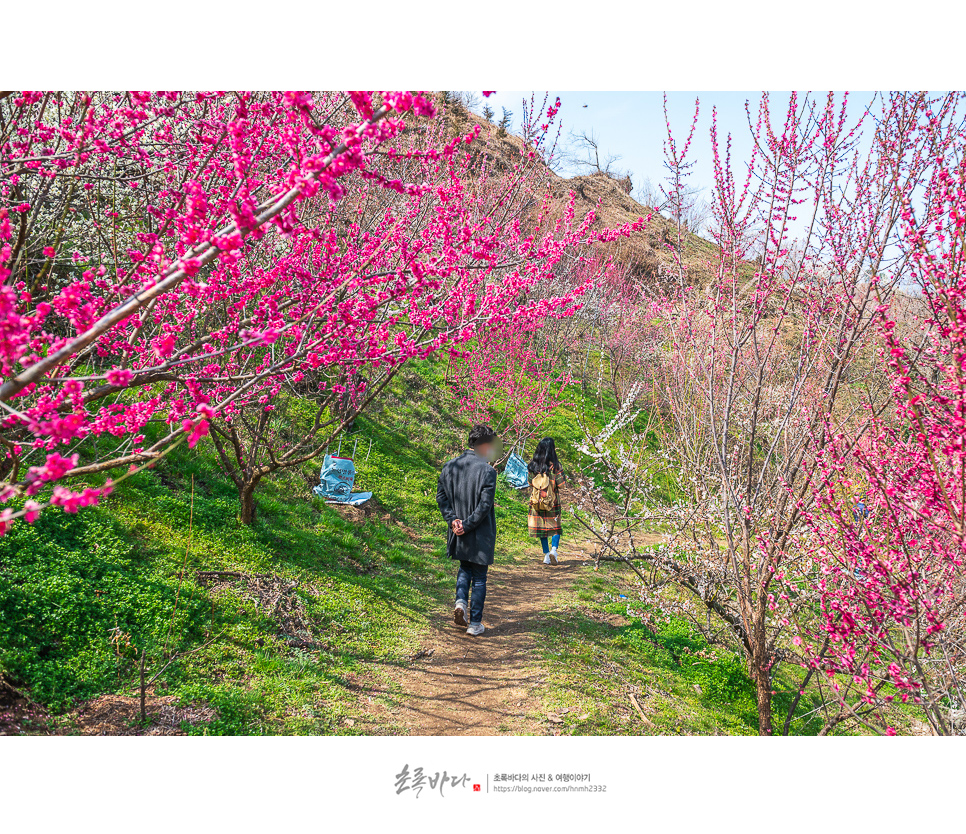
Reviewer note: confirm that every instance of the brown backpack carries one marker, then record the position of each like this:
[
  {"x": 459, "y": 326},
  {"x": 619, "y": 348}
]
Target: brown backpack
[{"x": 543, "y": 495}]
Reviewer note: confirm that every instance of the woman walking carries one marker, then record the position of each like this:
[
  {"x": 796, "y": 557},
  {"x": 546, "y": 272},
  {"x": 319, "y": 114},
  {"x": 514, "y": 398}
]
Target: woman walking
[{"x": 546, "y": 479}]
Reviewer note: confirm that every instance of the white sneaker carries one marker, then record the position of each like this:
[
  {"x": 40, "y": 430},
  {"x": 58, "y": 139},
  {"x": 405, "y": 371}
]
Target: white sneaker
[
  {"x": 546, "y": 559},
  {"x": 553, "y": 555},
  {"x": 475, "y": 629},
  {"x": 459, "y": 613}
]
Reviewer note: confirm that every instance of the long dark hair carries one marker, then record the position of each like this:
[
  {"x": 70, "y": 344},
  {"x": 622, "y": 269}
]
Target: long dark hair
[{"x": 545, "y": 458}]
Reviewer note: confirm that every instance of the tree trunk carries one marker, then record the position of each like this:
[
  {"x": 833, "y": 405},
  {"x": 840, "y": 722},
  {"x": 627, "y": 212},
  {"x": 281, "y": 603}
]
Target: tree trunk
[
  {"x": 759, "y": 672},
  {"x": 246, "y": 499},
  {"x": 614, "y": 384}
]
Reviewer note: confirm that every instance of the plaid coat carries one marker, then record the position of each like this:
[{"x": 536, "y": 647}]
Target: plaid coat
[{"x": 545, "y": 523}]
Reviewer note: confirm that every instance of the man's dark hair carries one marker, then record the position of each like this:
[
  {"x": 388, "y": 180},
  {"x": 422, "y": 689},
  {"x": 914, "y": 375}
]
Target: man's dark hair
[{"x": 480, "y": 435}]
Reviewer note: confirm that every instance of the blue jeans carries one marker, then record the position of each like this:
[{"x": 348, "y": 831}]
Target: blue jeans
[
  {"x": 472, "y": 572},
  {"x": 555, "y": 540}
]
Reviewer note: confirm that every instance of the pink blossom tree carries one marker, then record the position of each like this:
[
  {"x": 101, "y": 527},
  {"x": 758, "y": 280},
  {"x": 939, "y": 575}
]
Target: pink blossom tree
[
  {"x": 770, "y": 358},
  {"x": 228, "y": 251},
  {"x": 463, "y": 258},
  {"x": 512, "y": 377},
  {"x": 889, "y": 532},
  {"x": 138, "y": 234}
]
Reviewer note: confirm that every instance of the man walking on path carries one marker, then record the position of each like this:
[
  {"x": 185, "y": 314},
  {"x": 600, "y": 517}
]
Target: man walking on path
[{"x": 465, "y": 494}]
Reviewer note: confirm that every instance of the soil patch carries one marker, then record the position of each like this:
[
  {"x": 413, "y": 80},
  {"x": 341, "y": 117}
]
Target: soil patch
[
  {"x": 372, "y": 510},
  {"x": 275, "y": 595},
  {"x": 119, "y": 715}
]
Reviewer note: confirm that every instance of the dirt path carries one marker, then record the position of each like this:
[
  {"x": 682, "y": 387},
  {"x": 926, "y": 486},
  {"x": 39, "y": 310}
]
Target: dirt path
[{"x": 485, "y": 685}]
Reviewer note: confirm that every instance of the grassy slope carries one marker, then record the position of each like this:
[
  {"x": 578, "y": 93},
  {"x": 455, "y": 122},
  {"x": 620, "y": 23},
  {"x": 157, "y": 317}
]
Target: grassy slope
[
  {"x": 598, "y": 651},
  {"x": 81, "y": 596}
]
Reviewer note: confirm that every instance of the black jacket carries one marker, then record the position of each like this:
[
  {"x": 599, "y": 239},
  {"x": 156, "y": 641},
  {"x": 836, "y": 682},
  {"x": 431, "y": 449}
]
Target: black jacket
[{"x": 466, "y": 489}]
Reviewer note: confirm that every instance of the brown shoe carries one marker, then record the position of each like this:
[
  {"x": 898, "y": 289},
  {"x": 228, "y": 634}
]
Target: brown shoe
[{"x": 459, "y": 614}]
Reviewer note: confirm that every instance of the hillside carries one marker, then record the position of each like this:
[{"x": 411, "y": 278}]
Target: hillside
[
  {"x": 316, "y": 618},
  {"x": 645, "y": 253}
]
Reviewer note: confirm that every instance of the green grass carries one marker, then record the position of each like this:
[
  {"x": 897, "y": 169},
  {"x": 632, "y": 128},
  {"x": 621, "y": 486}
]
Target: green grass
[
  {"x": 598, "y": 649},
  {"x": 70, "y": 584}
]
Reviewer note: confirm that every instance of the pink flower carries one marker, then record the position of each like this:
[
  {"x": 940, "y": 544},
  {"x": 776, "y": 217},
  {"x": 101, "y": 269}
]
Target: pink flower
[
  {"x": 197, "y": 431},
  {"x": 191, "y": 266},
  {"x": 164, "y": 345},
  {"x": 119, "y": 377},
  {"x": 55, "y": 467}
]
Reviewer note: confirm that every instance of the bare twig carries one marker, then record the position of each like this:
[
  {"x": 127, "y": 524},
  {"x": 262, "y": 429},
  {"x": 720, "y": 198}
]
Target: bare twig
[{"x": 647, "y": 721}]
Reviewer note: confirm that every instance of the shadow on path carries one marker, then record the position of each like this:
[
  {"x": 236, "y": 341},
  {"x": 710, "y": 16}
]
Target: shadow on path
[{"x": 481, "y": 685}]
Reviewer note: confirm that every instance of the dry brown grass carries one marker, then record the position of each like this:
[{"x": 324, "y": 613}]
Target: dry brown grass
[{"x": 644, "y": 251}]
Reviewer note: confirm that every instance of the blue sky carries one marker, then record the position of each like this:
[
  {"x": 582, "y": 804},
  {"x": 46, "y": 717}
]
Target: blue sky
[{"x": 631, "y": 124}]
